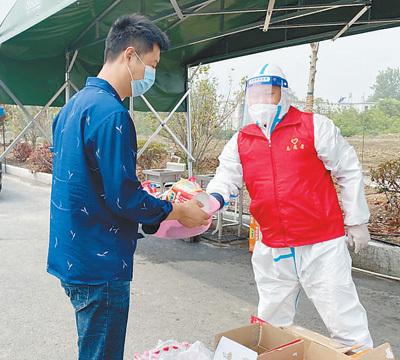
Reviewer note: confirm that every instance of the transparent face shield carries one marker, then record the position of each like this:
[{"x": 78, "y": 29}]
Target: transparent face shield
[
  {"x": 266, "y": 101},
  {"x": 263, "y": 94}
]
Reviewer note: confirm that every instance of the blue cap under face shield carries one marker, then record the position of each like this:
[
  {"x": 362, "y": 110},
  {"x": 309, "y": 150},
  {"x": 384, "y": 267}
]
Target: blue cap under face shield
[
  {"x": 267, "y": 80},
  {"x": 266, "y": 99}
]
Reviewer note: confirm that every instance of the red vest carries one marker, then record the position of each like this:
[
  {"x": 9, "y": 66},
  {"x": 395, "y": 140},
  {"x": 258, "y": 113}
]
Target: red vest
[{"x": 292, "y": 194}]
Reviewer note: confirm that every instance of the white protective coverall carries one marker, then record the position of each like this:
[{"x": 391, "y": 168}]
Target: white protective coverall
[{"x": 322, "y": 269}]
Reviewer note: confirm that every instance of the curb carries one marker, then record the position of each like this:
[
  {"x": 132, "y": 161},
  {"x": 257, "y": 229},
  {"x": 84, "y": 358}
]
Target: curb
[
  {"x": 40, "y": 178},
  {"x": 378, "y": 257}
]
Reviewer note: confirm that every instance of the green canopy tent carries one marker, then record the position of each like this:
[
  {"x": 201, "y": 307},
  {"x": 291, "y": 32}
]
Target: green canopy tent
[{"x": 48, "y": 46}]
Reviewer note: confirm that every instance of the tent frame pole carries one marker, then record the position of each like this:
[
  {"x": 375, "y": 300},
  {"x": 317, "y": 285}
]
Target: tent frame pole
[
  {"x": 189, "y": 127},
  {"x": 270, "y": 9},
  {"x": 351, "y": 22},
  {"x": 163, "y": 124},
  {"x": 32, "y": 121},
  {"x": 69, "y": 64},
  {"x": 177, "y": 9},
  {"x": 273, "y": 21}
]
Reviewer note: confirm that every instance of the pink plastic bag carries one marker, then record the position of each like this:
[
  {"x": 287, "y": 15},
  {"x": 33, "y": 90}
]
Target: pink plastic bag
[
  {"x": 173, "y": 350},
  {"x": 173, "y": 229}
]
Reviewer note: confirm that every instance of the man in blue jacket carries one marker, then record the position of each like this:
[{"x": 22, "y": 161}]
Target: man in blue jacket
[{"x": 97, "y": 200}]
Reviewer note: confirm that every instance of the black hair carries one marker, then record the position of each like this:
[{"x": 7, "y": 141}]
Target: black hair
[{"x": 134, "y": 30}]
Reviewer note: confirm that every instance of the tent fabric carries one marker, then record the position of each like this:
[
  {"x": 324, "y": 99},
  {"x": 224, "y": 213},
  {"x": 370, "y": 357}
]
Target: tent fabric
[{"x": 36, "y": 35}]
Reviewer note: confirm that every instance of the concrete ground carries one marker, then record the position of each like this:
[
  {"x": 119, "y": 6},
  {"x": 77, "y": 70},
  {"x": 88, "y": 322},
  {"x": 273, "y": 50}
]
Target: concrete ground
[{"x": 181, "y": 291}]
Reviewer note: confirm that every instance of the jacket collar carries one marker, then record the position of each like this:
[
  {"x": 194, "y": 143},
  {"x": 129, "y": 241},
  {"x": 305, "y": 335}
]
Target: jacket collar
[
  {"x": 293, "y": 117},
  {"x": 103, "y": 85}
]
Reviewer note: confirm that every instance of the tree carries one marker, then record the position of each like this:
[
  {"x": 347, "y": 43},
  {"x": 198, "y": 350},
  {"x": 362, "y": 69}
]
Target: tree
[
  {"x": 387, "y": 85},
  {"x": 349, "y": 121},
  {"x": 311, "y": 79}
]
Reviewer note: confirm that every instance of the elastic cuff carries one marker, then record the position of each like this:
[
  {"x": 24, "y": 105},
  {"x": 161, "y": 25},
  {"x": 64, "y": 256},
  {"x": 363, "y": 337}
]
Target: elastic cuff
[
  {"x": 150, "y": 229},
  {"x": 220, "y": 199},
  {"x": 167, "y": 208}
]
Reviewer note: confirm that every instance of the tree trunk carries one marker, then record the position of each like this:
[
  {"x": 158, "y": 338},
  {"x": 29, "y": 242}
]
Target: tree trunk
[{"x": 311, "y": 79}]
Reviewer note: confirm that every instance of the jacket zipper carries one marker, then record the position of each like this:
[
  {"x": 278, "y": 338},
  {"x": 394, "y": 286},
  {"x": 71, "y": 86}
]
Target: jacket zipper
[{"x": 275, "y": 191}]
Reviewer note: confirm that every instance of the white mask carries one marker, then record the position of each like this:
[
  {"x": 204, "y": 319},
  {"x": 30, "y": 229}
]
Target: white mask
[{"x": 265, "y": 115}]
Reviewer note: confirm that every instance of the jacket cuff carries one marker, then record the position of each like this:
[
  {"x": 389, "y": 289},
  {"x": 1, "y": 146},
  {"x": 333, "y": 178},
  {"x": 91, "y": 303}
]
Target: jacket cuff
[{"x": 220, "y": 199}]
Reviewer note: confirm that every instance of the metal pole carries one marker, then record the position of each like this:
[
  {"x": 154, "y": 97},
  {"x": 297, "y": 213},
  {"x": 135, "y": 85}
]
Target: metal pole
[
  {"x": 240, "y": 211},
  {"x": 163, "y": 124},
  {"x": 73, "y": 86},
  {"x": 3, "y": 120},
  {"x": 189, "y": 129},
  {"x": 271, "y": 4},
  {"x": 4, "y": 141},
  {"x": 67, "y": 70},
  {"x": 363, "y": 141},
  {"x": 351, "y": 22},
  {"x": 15, "y": 141},
  {"x": 32, "y": 122},
  {"x": 131, "y": 106},
  {"x": 26, "y": 112}
]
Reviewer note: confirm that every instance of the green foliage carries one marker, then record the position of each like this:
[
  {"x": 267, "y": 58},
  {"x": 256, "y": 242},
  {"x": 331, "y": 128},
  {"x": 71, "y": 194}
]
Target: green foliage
[
  {"x": 387, "y": 85},
  {"x": 145, "y": 123},
  {"x": 154, "y": 157},
  {"x": 22, "y": 151},
  {"x": 387, "y": 177},
  {"x": 41, "y": 159},
  {"x": 382, "y": 118}
]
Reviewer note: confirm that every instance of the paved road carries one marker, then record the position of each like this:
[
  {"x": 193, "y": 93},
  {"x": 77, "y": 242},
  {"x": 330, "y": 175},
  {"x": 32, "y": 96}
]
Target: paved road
[{"x": 182, "y": 291}]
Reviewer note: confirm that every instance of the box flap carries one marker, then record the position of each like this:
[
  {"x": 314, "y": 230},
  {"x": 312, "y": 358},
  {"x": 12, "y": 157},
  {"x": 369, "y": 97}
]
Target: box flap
[
  {"x": 232, "y": 350},
  {"x": 246, "y": 335},
  {"x": 383, "y": 352},
  {"x": 318, "y": 338},
  {"x": 315, "y": 351},
  {"x": 293, "y": 351},
  {"x": 272, "y": 337}
]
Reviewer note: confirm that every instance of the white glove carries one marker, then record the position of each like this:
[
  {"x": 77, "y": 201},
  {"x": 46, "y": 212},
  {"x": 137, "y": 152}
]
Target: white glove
[{"x": 358, "y": 237}]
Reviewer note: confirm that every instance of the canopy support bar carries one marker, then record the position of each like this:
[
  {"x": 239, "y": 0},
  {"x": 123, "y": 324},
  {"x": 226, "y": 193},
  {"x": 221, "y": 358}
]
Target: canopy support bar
[
  {"x": 69, "y": 64},
  {"x": 163, "y": 124},
  {"x": 259, "y": 24},
  {"x": 276, "y": 9},
  {"x": 351, "y": 22},
  {"x": 93, "y": 23},
  {"x": 32, "y": 121},
  {"x": 195, "y": 11},
  {"x": 270, "y": 9},
  {"x": 177, "y": 9}
]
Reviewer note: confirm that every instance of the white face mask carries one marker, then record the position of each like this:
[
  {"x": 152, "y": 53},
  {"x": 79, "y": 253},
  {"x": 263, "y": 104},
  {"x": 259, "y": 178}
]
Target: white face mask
[{"x": 265, "y": 116}]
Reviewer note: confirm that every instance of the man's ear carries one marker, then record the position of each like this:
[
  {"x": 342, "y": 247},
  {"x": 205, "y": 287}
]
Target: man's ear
[{"x": 129, "y": 53}]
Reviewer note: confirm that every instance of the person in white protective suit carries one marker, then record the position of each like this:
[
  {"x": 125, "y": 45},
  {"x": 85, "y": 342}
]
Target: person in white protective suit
[{"x": 286, "y": 158}]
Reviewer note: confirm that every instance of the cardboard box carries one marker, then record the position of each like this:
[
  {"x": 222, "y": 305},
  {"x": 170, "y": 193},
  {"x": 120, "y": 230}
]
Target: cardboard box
[
  {"x": 295, "y": 343},
  {"x": 317, "y": 346},
  {"x": 268, "y": 343}
]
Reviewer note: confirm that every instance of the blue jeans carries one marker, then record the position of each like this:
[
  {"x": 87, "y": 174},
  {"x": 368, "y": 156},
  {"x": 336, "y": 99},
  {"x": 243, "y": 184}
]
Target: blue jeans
[{"x": 101, "y": 313}]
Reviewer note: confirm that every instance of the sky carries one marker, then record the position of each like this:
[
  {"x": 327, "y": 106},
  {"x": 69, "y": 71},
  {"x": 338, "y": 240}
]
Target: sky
[
  {"x": 347, "y": 66},
  {"x": 5, "y": 7}
]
